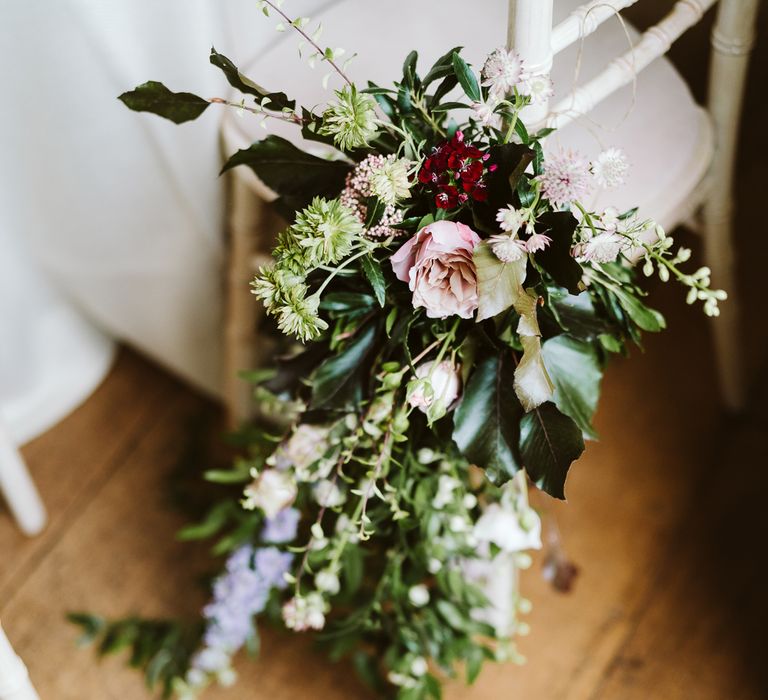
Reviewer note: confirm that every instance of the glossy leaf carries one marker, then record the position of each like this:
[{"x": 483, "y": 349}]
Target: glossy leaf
[
  {"x": 295, "y": 175},
  {"x": 273, "y": 100},
  {"x": 549, "y": 442},
  {"x": 487, "y": 421},
  {"x": 336, "y": 382},
  {"x": 154, "y": 97},
  {"x": 466, "y": 78},
  {"x": 575, "y": 370},
  {"x": 372, "y": 269},
  {"x": 499, "y": 284},
  {"x": 556, "y": 259}
]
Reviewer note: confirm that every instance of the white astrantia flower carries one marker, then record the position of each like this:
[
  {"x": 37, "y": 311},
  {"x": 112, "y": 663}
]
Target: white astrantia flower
[
  {"x": 610, "y": 168},
  {"x": 502, "y": 71},
  {"x": 510, "y": 219},
  {"x": 418, "y": 595},
  {"x": 328, "y": 494},
  {"x": 485, "y": 114},
  {"x": 507, "y": 247},
  {"x": 390, "y": 181},
  {"x": 271, "y": 491},
  {"x": 436, "y": 387},
  {"x": 566, "y": 178},
  {"x": 537, "y": 242},
  {"x": 537, "y": 86}
]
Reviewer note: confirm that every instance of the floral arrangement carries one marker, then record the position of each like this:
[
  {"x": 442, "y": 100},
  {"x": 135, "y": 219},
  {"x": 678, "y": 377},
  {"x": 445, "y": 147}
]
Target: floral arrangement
[{"x": 447, "y": 304}]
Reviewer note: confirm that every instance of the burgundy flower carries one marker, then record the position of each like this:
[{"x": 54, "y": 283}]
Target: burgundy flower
[{"x": 454, "y": 172}]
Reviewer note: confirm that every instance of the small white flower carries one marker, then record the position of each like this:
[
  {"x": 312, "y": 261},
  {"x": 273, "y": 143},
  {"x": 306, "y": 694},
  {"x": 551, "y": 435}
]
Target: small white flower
[
  {"x": 537, "y": 242},
  {"x": 501, "y": 72},
  {"x": 537, "y": 86},
  {"x": 507, "y": 247},
  {"x": 328, "y": 494},
  {"x": 390, "y": 182},
  {"x": 327, "y": 581},
  {"x": 419, "y": 666},
  {"x": 510, "y": 219},
  {"x": 271, "y": 491},
  {"x": 469, "y": 501},
  {"x": 484, "y": 112},
  {"x": 434, "y": 565},
  {"x": 610, "y": 168},
  {"x": 603, "y": 248},
  {"x": 502, "y": 527},
  {"x": 439, "y": 388},
  {"x": 304, "y": 448},
  {"x": 566, "y": 178},
  {"x": 418, "y": 595},
  {"x": 457, "y": 524},
  {"x": 305, "y": 612}
]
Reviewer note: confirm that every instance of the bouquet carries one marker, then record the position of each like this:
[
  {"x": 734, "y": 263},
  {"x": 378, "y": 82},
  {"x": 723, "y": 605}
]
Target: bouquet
[{"x": 446, "y": 305}]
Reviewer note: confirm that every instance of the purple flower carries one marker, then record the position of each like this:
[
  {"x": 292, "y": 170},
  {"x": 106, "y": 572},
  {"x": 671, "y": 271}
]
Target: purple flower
[{"x": 281, "y": 528}]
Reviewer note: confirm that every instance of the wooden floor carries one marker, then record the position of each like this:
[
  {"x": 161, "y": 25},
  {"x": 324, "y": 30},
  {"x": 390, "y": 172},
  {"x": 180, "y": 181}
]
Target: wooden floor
[{"x": 666, "y": 519}]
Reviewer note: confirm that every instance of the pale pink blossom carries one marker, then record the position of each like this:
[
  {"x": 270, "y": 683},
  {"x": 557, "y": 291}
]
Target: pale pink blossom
[
  {"x": 501, "y": 72},
  {"x": 537, "y": 86},
  {"x": 566, "y": 178},
  {"x": 437, "y": 264},
  {"x": 537, "y": 242},
  {"x": 441, "y": 385},
  {"x": 507, "y": 247},
  {"x": 603, "y": 248}
]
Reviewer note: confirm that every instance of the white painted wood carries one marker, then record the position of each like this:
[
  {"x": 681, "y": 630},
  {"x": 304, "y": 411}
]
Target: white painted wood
[
  {"x": 18, "y": 488},
  {"x": 732, "y": 40},
  {"x": 14, "y": 678},
  {"x": 622, "y": 70},
  {"x": 530, "y": 33},
  {"x": 584, "y": 20}
]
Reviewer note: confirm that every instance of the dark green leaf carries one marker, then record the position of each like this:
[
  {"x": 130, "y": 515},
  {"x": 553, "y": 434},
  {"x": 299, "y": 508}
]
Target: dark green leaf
[
  {"x": 372, "y": 269},
  {"x": 448, "y": 83},
  {"x": 487, "y": 421},
  {"x": 556, "y": 259},
  {"x": 466, "y": 78},
  {"x": 154, "y": 97},
  {"x": 352, "y": 569},
  {"x": 295, "y": 175},
  {"x": 574, "y": 369},
  {"x": 276, "y": 101},
  {"x": 549, "y": 442},
  {"x": 336, "y": 383},
  {"x": 374, "y": 210},
  {"x": 442, "y": 67},
  {"x": 409, "y": 70},
  {"x": 217, "y": 517},
  {"x": 646, "y": 318}
]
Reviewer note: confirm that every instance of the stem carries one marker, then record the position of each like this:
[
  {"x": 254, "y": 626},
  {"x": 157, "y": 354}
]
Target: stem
[
  {"x": 310, "y": 40},
  {"x": 292, "y": 118},
  {"x": 376, "y": 473},
  {"x": 338, "y": 269}
]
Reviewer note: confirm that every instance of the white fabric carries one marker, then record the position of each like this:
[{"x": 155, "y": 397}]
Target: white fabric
[{"x": 110, "y": 221}]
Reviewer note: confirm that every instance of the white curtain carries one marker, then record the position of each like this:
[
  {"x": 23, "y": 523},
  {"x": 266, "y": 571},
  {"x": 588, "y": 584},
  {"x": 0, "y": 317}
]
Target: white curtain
[{"x": 122, "y": 212}]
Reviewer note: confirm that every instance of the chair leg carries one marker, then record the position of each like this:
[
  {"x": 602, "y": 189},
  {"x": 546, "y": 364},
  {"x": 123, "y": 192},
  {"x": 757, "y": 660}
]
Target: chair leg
[
  {"x": 732, "y": 40},
  {"x": 18, "y": 488},
  {"x": 14, "y": 679}
]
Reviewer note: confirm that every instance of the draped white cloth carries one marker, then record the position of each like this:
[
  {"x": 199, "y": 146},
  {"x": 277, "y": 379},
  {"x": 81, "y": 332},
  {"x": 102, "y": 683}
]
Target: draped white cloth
[{"x": 109, "y": 218}]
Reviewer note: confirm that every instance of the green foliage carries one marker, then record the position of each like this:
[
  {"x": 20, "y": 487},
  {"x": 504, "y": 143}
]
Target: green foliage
[
  {"x": 154, "y": 97},
  {"x": 276, "y": 101},
  {"x": 161, "y": 648},
  {"x": 297, "y": 177},
  {"x": 466, "y": 78},
  {"x": 549, "y": 442},
  {"x": 487, "y": 421}
]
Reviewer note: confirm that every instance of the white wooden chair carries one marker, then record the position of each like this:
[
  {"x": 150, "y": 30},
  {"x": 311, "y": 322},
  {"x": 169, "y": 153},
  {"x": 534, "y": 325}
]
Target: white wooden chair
[
  {"x": 623, "y": 94},
  {"x": 14, "y": 679}
]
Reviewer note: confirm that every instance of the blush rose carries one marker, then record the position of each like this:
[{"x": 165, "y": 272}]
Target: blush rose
[{"x": 437, "y": 264}]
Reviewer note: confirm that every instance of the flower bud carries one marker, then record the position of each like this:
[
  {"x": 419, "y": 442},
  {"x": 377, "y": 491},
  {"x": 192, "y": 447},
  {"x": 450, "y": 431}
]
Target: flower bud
[{"x": 436, "y": 388}]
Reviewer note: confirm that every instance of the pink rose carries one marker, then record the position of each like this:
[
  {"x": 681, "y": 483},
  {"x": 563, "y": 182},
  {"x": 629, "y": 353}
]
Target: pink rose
[{"x": 437, "y": 264}]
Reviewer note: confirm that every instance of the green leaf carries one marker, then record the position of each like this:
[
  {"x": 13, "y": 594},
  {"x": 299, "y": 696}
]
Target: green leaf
[
  {"x": 556, "y": 259},
  {"x": 295, "y": 175},
  {"x": 549, "y": 442},
  {"x": 276, "y": 101},
  {"x": 352, "y": 569},
  {"x": 466, "y": 78},
  {"x": 646, "y": 318},
  {"x": 336, "y": 382},
  {"x": 487, "y": 421},
  {"x": 216, "y": 518},
  {"x": 499, "y": 284},
  {"x": 154, "y": 97},
  {"x": 374, "y": 210},
  {"x": 442, "y": 67},
  {"x": 409, "y": 70},
  {"x": 575, "y": 370},
  {"x": 373, "y": 272}
]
